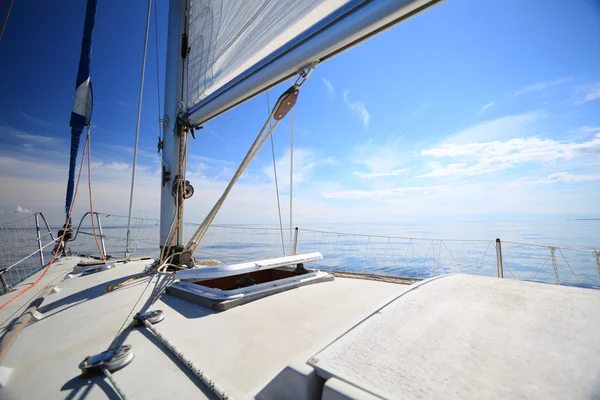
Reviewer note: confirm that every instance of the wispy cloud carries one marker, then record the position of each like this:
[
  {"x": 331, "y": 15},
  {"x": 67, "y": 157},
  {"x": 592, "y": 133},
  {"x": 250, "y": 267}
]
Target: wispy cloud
[
  {"x": 36, "y": 138},
  {"x": 541, "y": 86},
  {"x": 36, "y": 120},
  {"x": 381, "y": 158},
  {"x": 485, "y": 107},
  {"x": 588, "y": 93},
  {"x": 569, "y": 177},
  {"x": 421, "y": 108},
  {"x": 306, "y": 161},
  {"x": 329, "y": 86},
  {"x": 383, "y": 193},
  {"x": 358, "y": 108},
  {"x": 500, "y": 128},
  {"x": 373, "y": 175},
  {"x": 5, "y": 129}
]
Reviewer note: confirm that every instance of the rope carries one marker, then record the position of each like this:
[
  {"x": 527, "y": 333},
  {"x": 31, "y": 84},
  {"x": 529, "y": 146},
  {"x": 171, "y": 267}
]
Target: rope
[
  {"x": 114, "y": 383},
  {"x": 179, "y": 198},
  {"x": 137, "y": 127},
  {"x": 276, "y": 181},
  {"x": 61, "y": 240},
  {"x": 89, "y": 170},
  {"x": 258, "y": 142},
  {"x": 262, "y": 136}
]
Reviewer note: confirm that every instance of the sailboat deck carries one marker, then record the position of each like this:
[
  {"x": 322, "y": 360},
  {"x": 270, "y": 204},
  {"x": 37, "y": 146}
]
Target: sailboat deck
[{"x": 241, "y": 349}]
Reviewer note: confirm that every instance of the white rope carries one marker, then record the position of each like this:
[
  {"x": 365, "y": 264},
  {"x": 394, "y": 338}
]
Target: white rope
[
  {"x": 137, "y": 127},
  {"x": 258, "y": 142},
  {"x": 276, "y": 181}
]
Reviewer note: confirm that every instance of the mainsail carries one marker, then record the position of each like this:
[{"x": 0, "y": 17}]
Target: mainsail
[
  {"x": 236, "y": 49},
  {"x": 82, "y": 105}
]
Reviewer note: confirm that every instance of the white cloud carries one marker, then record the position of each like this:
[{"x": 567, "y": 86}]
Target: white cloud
[
  {"x": 394, "y": 172},
  {"x": 358, "y": 108},
  {"x": 329, "y": 86},
  {"x": 1, "y": 211},
  {"x": 501, "y": 128},
  {"x": 569, "y": 177},
  {"x": 485, "y": 107},
  {"x": 540, "y": 86},
  {"x": 479, "y": 158},
  {"x": 21, "y": 210},
  {"x": 588, "y": 92},
  {"x": 383, "y": 193}
]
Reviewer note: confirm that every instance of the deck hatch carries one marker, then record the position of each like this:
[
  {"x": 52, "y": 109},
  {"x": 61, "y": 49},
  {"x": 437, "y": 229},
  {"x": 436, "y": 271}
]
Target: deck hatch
[{"x": 228, "y": 286}]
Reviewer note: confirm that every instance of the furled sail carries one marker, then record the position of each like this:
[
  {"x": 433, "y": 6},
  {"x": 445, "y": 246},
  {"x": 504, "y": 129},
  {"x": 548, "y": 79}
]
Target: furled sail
[
  {"x": 82, "y": 105},
  {"x": 238, "y": 49}
]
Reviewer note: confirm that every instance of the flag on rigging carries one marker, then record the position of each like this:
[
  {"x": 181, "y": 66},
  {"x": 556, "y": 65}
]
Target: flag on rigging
[{"x": 82, "y": 105}]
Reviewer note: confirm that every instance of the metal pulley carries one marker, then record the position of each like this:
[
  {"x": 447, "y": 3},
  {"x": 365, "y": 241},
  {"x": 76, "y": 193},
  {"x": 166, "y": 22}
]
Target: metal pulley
[
  {"x": 112, "y": 360},
  {"x": 188, "y": 189},
  {"x": 153, "y": 317}
]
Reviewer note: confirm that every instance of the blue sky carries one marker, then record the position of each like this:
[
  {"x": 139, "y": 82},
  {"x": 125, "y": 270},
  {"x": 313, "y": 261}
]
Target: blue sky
[{"x": 472, "y": 110}]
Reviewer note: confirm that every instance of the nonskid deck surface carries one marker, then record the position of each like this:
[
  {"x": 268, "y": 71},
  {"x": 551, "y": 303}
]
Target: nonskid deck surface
[{"x": 241, "y": 349}]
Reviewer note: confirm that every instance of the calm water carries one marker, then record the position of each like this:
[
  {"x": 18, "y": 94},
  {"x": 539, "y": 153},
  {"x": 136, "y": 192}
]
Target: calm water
[{"x": 415, "y": 250}]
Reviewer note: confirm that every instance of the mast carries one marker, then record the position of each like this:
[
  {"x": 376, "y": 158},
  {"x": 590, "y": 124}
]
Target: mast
[{"x": 172, "y": 130}]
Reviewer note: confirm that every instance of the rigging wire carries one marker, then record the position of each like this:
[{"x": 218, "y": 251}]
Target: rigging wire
[
  {"x": 289, "y": 98},
  {"x": 276, "y": 181},
  {"x": 137, "y": 128},
  {"x": 6, "y": 18},
  {"x": 291, "y": 175},
  {"x": 160, "y": 117}
]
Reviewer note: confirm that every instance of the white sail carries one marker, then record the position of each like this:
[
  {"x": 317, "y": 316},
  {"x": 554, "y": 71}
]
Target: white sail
[{"x": 237, "y": 49}]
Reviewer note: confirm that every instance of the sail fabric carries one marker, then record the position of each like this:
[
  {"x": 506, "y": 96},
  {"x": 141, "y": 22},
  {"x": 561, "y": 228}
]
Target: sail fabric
[
  {"x": 227, "y": 37},
  {"x": 82, "y": 105},
  {"x": 238, "y": 49}
]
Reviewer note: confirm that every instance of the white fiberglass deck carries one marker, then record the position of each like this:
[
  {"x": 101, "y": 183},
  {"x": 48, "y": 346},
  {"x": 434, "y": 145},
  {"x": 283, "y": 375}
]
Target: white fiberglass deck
[
  {"x": 449, "y": 337},
  {"x": 464, "y": 336},
  {"x": 241, "y": 349}
]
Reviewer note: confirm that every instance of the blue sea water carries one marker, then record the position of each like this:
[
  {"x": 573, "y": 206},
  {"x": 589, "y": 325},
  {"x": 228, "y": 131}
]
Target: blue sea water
[{"x": 553, "y": 251}]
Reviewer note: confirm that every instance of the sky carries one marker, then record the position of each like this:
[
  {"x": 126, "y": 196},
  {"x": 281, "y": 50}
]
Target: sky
[{"x": 471, "y": 111}]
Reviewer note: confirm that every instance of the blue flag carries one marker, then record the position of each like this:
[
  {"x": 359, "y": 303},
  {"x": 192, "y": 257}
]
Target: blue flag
[{"x": 82, "y": 105}]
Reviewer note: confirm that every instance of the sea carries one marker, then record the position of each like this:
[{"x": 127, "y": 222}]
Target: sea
[{"x": 565, "y": 252}]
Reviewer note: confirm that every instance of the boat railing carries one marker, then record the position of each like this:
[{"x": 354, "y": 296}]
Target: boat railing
[
  {"x": 376, "y": 254},
  {"x": 22, "y": 247},
  {"x": 426, "y": 257}
]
